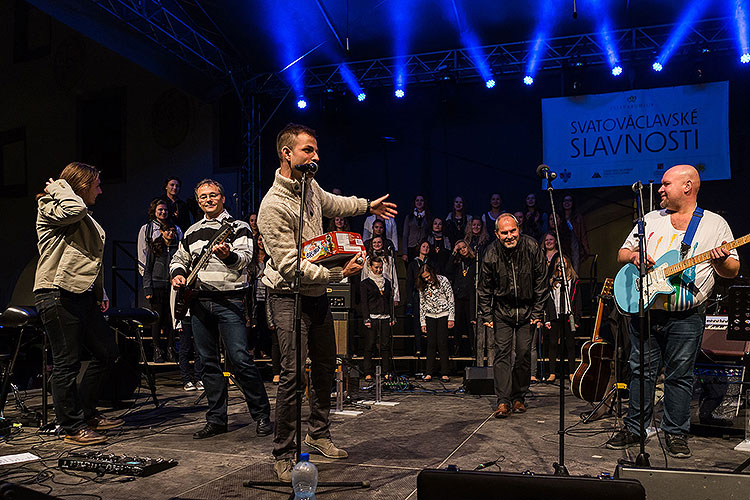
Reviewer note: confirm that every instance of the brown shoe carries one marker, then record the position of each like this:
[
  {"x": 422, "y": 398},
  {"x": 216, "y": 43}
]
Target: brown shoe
[
  {"x": 503, "y": 411},
  {"x": 85, "y": 437},
  {"x": 102, "y": 423},
  {"x": 518, "y": 407}
]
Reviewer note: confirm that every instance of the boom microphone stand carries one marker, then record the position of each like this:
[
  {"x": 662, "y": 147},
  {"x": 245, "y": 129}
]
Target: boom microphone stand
[
  {"x": 567, "y": 323},
  {"x": 642, "y": 459}
]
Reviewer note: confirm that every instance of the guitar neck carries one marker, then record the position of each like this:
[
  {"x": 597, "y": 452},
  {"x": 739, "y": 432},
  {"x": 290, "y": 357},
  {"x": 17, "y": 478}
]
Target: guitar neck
[
  {"x": 702, "y": 257},
  {"x": 598, "y": 322}
]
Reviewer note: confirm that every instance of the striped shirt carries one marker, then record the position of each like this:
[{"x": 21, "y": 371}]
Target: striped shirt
[{"x": 218, "y": 275}]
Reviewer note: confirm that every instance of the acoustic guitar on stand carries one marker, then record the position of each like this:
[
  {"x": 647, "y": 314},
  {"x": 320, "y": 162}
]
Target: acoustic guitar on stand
[{"x": 591, "y": 379}]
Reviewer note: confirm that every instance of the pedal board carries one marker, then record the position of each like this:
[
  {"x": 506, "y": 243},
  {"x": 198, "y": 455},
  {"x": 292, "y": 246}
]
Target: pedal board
[{"x": 105, "y": 463}]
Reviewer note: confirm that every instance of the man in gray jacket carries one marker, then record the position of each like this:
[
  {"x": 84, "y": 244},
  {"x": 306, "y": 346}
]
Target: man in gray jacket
[{"x": 278, "y": 221}]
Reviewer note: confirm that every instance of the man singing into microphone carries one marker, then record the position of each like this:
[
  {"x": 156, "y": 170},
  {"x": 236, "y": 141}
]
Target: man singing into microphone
[{"x": 278, "y": 220}]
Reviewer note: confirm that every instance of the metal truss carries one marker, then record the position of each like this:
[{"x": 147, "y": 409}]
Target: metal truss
[
  {"x": 182, "y": 28},
  {"x": 508, "y": 60}
]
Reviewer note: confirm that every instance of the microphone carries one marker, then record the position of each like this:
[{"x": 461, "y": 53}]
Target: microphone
[
  {"x": 544, "y": 172},
  {"x": 307, "y": 168},
  {"x": 637, "y": 186}
]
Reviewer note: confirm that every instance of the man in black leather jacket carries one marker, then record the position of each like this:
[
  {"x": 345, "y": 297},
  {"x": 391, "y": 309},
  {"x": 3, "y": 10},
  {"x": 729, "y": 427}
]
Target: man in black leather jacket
[{"x": 512, "y": 292}]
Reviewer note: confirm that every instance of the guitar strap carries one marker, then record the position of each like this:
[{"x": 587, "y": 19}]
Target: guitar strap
[{"x": 687, "y": 240}]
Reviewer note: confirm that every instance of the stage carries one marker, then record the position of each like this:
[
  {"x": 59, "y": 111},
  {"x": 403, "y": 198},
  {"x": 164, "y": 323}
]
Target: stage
[{"x": 432, "y": 426}]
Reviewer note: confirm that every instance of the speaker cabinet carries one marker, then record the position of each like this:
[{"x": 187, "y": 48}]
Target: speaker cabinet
[
  {"x": 434, "y": 484},
  {"x": 341, "y": 329}
]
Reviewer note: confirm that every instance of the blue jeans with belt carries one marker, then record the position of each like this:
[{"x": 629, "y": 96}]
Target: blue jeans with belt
[
  {"x": 74, "y": 324},
  {"x": 223, "y": 317},
  {"x": 672, "y": 344}
]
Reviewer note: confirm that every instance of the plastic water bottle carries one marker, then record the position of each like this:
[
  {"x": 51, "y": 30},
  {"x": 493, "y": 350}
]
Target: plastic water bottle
[{"x": 304, "y": 477}]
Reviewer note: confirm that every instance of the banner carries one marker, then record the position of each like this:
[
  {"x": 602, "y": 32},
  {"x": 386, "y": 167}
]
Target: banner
[{"x": 619, "y": 138}]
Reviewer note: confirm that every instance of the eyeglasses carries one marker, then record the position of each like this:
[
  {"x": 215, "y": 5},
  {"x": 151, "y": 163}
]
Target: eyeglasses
[{"x": 206, "y": 196}]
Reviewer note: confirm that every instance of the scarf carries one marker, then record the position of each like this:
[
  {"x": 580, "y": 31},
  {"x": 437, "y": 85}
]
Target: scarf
[{"x": 379, "y": 280}]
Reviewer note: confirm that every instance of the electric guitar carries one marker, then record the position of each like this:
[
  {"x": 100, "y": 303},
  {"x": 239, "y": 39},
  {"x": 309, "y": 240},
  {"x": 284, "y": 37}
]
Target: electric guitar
[
  {"x": 662, "y": 279},
  {"x": 591, "y": 378},
  {"x": 186, "y": 293}
]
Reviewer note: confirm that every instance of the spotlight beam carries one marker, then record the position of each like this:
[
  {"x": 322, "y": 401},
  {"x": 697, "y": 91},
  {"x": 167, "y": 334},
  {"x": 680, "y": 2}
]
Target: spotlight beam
[{"x": 327, "y": 19}]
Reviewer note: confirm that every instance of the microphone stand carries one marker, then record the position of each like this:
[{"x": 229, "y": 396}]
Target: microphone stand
[
  {"x": 566, "y": 322},
  {"x": 642, "y": 459},
  {"x": 300, "y": 386}
]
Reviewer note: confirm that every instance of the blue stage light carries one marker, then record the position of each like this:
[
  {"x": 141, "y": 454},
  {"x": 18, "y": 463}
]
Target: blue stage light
[
  {"x": 399, "y": 93},
  {"x": 361, "y": 96},
  {"x": 745, "y": 58},
  {"x": 301, "y": 102},
  {"x": 490, "y": 83},
  {"x": 688, "y": 18},
  {"x": 617, "y": 70},
  {"x": 528, "y": 80}
]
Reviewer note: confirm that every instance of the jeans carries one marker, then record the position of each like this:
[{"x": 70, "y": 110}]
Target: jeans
[
  {"x": 159, "y": 303},
  {"x": 74, "y": 324},
  {"x": 437, "y": 341},
  {"x": 673, "y": 344},
  {"x": 512, "y": 384},
  {"x": 224, "y": 318},
  {"x": 319, "y": 343},
  {"x": 187, "y": 346}
]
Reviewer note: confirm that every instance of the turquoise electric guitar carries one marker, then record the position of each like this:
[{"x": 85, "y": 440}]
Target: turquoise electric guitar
[{"x": 662, "y": 279}]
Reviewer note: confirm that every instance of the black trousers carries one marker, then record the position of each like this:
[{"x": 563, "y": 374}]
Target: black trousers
[
  {"x": 512, "y": 383},
  {"x": 319, "y": 341},
  {"x": 437, "y": 340},
  {"x": 554, "y": 348},
  {"x": 160, "y": 303},
  {"x": 464, "y": 316},
  {"x": 74, "y": 324},
  {"x": 187, "y": 351},
  {"x": 378, "y": 340}
]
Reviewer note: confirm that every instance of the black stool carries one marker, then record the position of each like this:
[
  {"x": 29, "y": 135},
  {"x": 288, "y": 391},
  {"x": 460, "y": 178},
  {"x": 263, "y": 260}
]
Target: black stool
[{"x": 23, "y": 318}]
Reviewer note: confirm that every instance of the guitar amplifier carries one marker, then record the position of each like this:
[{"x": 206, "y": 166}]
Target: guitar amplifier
[
  {"x": 716, "y": 342},
  {"x": 339, "y": 296}
]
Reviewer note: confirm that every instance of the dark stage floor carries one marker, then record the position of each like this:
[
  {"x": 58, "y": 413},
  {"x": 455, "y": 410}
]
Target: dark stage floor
[{"x": 431, "y": 427}]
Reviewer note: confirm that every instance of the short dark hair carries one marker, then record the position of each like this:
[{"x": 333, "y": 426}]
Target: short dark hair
[
  {"x": 375, "y": 259},
  {"x": 211, "y": 182},
  {"x": 288, "y": 136}
]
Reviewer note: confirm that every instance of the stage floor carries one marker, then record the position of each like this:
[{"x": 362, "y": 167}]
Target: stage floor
[{"x": 431, "y": 427}]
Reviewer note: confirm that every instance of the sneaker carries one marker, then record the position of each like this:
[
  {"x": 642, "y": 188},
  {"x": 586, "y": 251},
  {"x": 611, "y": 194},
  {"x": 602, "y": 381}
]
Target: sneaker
[
  {"x": 677, "y": 445},
  {"x": 199, "y": 386},
  {"x": 189, "y": 386},
  {"x": 283, "y": 469},
  {"x": 102, "y": 423},
  {"x": 85, "y": 437},
  {"x": 326, "y": 447},
  {"x": 623, "y": 439}
]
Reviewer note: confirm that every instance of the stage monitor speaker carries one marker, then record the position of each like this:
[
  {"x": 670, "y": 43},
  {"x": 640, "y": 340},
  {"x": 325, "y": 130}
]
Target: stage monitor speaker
[
  {"x": 341, "y": 330},
  {"x": 479, "y": 380},
  {"x": 434, "y": 484},
  {"x": 677, "y": 484},
  {"x": 13, "y": 491}
]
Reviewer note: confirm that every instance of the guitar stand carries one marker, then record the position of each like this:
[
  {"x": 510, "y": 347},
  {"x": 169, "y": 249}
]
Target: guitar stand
[{"x": 605, "y": 405}]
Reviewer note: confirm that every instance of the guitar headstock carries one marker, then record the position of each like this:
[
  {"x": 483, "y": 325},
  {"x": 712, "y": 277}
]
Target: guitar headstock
[{"x": 609, "y": 284}]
